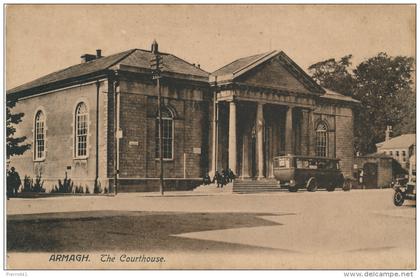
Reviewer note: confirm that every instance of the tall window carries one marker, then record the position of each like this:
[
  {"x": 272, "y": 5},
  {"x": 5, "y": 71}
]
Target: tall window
[
  {"x": 321, "y": 139},
  {"x": 39, "y": 135},
  {"x": 167, "y": 135},
  {"x": 81, "y": 130}
]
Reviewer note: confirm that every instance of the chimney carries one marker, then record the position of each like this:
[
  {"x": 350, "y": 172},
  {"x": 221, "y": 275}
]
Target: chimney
[
  {"x": 155, "y": 47},
  {"x": 388, "y": 132},
  {"x": 98, "y": 53},
  {"x": 87, "y": 58}
]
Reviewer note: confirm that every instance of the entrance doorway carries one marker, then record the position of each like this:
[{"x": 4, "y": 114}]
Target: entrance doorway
[{"x": 370, "y": 175}]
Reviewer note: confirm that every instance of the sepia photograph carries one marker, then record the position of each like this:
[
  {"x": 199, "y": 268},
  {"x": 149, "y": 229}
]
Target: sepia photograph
[{"x": 210, "y": 137}]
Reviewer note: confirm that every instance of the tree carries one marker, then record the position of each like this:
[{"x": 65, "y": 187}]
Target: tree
[
  {"x": 383, "y": 85},
  {"x": 14, "y": 145},
  {"x": 334, "y": 75}
]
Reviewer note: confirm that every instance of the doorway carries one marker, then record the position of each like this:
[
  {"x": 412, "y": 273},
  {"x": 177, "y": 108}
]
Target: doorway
[{"x": 370, "y": 175}]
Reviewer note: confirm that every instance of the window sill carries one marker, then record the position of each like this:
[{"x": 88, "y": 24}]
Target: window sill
[
  {"x": 81, "y": 158},
  {"x": 165, "y": 159},
  {"x": 39, "y": 159}
]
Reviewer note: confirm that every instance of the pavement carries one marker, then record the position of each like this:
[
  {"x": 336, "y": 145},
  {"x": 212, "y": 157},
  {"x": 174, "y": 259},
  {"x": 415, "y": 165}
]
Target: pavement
[{"x": 359, "y": 229}]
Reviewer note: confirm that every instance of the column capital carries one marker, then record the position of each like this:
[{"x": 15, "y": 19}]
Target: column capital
[{"x": 232, "y": 100}]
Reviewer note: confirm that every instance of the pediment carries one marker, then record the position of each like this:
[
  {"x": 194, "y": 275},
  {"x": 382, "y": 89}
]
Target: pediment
[{"x": 275, "y": 74}]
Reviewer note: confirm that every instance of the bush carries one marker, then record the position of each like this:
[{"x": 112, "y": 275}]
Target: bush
[
  {"x": 64, "y": 187},
  {"x": 78, "y": 189},
  {"x": 27, "y": 184},
  {"x": 30, "y": 186}
]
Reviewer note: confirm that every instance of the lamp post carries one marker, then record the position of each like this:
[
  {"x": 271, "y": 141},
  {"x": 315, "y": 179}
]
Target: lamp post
[
  {"x": 117, "y": 132},
  {"x": 156, "y": 65}
]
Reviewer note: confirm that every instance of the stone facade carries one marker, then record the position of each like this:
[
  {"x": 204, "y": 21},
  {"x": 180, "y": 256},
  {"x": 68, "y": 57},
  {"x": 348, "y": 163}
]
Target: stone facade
[
  {"x": 59, "y": 107},
  {"x": 138, "y": 160},
  {"x": 235, "y": 118}
]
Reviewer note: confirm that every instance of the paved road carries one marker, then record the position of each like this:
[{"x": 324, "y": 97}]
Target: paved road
[{"x": 356, "y": 229}]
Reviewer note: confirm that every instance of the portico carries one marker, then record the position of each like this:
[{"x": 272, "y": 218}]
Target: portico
[{"x": 253, "y": 125}]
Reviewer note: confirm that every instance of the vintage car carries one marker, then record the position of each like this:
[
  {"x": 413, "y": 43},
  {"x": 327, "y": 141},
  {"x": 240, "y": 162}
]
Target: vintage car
[
  {"x": 310, "y": 172},
  {"x": 406, "y": 190}
]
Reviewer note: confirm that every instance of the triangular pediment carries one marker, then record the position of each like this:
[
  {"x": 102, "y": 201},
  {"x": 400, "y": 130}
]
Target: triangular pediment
[
  {"x": 276, "y": 74},
  {"x": 269, "y": 70}
]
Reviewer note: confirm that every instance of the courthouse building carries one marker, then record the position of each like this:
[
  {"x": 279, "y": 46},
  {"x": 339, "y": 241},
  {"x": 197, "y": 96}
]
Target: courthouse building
[{"x": 237, "y": 117}]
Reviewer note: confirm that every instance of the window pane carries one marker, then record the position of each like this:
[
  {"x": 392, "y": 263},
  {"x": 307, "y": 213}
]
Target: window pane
[
  {"x": 39, "y": 135},
  {"x": 167, "y": 136},
  {"x": 81, "y": 129},
  {"x": 321, "y": 140}
]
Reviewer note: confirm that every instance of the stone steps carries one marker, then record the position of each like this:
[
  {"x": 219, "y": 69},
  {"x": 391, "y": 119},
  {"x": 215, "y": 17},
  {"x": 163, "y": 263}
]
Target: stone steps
[
  {"x": 212, "y": 188},
  {"x": 242, "y": 187},
  {"x": 255, "y": 186}
]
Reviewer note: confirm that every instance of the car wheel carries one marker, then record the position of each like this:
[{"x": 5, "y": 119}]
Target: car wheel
[
  {"x": 331, "y": 187},
  {"x": 347, "y": 185},
  {"x": 312, "y": 185},
  {"x": 398, "y": 198},
  {"x": 293, "y": 188}
]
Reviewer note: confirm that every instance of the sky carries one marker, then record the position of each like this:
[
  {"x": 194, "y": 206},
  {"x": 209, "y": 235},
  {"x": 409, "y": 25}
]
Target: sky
[{"x": 41, "y": 39}]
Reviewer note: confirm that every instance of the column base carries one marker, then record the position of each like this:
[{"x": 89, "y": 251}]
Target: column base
[{"x": 260, "y": 177}]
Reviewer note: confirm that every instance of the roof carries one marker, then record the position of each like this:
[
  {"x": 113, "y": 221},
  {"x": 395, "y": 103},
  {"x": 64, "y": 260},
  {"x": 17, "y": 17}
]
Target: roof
[
  {"x": 375, "y": 155},
  {"x": 171, "y": 63},
  {"x": 242, "y": 65},
  {"x": 133, "y": 57},
  {"x": 239, "y": 64},
  {"x": 400, "y": 142},
  {"x": 74, "y": 71},
  {"x": 329, "y": 94}
]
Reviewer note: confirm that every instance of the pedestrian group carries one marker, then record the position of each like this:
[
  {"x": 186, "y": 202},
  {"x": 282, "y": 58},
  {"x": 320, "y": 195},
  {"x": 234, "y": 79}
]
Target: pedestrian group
[{"x": 222, "y": 178}]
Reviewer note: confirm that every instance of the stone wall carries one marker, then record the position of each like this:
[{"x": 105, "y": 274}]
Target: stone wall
[
  {"x": 139, "y": 166},
  {"x": 59, "y": 109},
  {"x": 340, "y": 133}
]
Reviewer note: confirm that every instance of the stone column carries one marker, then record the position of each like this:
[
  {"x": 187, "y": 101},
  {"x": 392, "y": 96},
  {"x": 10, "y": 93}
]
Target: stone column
[
  {"x": 311, "y": 133},
  {"x": 232, "y": 137},
  {"x": 214, "y": 140},
  {"x": 289, "y": 131},
  {"x": 260, "y": 133},
  {"x": 245, "y": 154}
]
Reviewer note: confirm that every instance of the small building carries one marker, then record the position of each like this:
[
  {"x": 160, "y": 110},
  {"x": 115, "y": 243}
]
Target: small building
[
  {"x": 401, "y": 148},
  {"x": 373, "y": 170}
]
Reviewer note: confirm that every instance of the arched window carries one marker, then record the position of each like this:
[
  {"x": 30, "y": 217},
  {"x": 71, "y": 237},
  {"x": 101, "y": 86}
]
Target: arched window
[
  {"x": 167, "y": 134},
  {"x": 322, "y": 139},
  {"x": 39, "y": 135},
  {"x": 81, "y": 131}
]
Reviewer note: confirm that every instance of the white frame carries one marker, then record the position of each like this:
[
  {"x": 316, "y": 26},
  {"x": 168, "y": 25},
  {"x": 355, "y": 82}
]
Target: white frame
[
  {"x": 35, "y": 149},
  {"x": 173, "y": 133},
  {"x": 325, "y": 134},
  {"x": 74, "y": 141}
]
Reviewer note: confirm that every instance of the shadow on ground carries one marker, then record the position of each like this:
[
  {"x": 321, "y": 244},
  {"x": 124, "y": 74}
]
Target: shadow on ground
[{"x": 124, "y": 231}]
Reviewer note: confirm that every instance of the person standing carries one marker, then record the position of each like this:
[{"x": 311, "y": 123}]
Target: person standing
[{"x": 13, "y": 181}]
